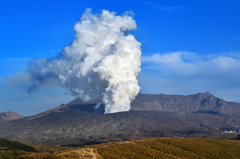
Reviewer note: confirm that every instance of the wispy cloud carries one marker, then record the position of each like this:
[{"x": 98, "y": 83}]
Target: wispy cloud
[
  {"x": 143, "y": 42},
  {"x": 163, "y": 8},
  {"x": 188, "y": 72},
  {"x": 192, "y": 63},
  {"x": 169, "y": 9},
  {"x": 235, "y": 38},
  {"x": 14, "y": 98},
  {"x": 148, "y": 2},
  {"x": 12, "y": 65},
  {"x": 48, "y": 51},
  {"x": 13, "y": 59}
]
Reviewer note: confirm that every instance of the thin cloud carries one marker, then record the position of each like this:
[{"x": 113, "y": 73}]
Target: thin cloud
[
  {"x": 14, "y": 98},
  {"x": 143, "y": 42},
  {"x": 174, "y": 61},
  {"x": 12, "y": 65},
  {"x": 235, "y": 38},
  {"x": 163, "y": 8},
  {"x": 48, "y": 51},
  {"x": 188, "y": 62},
  {"x": 169, "y": 9},
  {"x": 13, "y": 59},
  {"x": 148, "y": 3},
  {"x": 189, "y": 73}
]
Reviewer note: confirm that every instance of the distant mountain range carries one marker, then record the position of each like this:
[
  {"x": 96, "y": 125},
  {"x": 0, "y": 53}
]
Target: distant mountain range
[
  {"x": 183, "y": 104},
  {"x": 201, "y": 102},
  {"x": 78, "y": 122},
  {"x": 7, "y": 116}
]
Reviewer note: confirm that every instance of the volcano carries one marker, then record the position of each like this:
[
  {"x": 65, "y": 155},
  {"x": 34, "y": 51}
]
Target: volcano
[{"x": 79, "y": 123}]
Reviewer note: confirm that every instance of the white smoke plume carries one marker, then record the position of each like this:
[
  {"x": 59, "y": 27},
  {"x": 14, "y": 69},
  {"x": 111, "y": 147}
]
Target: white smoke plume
[{"x": 103, "y": 61}]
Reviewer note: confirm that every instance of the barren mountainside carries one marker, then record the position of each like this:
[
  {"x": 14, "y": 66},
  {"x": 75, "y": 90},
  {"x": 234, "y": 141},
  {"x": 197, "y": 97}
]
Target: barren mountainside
[
  {"x": 78, "y": 127},
  {"x": 78, "y": 122},
  {"x": 6, "y": 116},
  {"x": 184, "y": 104},
  {"x": 201, "y": 102}
]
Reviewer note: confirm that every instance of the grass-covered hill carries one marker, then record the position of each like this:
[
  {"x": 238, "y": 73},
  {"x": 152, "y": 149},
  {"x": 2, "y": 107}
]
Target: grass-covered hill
[
  {"x": 169, "y": 148},
  {"x": 10, "y": 149},
  {"x": 172, "y": 148}
]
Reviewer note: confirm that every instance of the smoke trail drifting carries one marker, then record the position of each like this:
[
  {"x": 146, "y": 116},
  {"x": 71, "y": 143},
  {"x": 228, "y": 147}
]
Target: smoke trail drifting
[{"x": 102, "y": 61}]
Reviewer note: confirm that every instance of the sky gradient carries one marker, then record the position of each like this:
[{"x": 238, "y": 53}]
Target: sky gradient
[{"x": 187, "y": 46}]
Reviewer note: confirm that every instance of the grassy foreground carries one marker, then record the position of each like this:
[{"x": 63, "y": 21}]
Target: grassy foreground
[{"x": 169, "y": 148}]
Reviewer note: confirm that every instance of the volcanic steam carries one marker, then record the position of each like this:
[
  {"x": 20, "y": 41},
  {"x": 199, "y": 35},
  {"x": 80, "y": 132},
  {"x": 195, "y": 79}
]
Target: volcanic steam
[{"x": 103, "y": 61}]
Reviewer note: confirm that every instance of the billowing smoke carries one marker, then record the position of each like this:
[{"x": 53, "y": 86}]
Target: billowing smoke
[{"x": 103, "y": 61}]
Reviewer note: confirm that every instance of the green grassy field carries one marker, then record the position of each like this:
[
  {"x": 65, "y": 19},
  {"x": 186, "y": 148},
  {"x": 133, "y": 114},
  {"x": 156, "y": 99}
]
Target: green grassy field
[{"x": 169, "y": 148}]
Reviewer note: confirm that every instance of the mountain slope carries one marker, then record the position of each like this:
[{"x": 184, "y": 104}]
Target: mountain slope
[
  {"x": 201, "y": 102},
  {"x": 6, "y": 116},
  {"x": 78, "y": 127},
  {"x": 185, "y": 104},
  {"x": 151, "y": 116}
]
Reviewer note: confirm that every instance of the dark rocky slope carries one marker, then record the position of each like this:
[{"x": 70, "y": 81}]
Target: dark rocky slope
[
  {"x": 200, "y": 115},
  {"x": 74, "y": 126}
]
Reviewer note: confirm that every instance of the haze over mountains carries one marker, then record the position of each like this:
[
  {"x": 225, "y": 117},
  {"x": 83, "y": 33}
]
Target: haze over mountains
[{"x": 78, "y": 122}]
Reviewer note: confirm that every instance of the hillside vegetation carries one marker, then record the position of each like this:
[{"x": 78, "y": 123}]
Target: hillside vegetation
[
  {"x": 169, "y": 148},
  {"x": 172, "y": 148},
  {"x": 10, "y": 149}
]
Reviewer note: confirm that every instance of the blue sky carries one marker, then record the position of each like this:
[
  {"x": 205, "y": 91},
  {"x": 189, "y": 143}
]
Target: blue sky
[{"x": 188, "y": 46}]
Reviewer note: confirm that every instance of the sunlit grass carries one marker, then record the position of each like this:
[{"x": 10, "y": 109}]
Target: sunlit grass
[{"x": 169, "y": 148}]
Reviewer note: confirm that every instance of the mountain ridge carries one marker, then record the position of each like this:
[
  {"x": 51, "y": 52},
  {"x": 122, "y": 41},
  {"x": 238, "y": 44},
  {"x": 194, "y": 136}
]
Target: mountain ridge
[
  {"x": 185, "y": 104},
  {"x": 7, "y": 116},
  {"x": 150, "y": 116}
]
